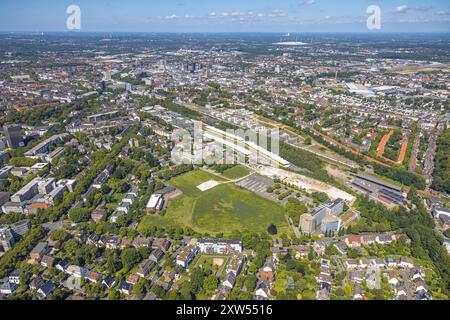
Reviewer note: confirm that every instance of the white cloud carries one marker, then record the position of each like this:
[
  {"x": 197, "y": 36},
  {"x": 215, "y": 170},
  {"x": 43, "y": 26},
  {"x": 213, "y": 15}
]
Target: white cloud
[
  {"x": 170, "y": 17},
  {"x": 402, "y": 9},
  {"x": 442, "y": 13}
]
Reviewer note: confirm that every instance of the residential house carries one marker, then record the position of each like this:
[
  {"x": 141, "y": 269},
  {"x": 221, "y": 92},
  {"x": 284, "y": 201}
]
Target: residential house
[
  {"x": 140, "y": 242},
  {"x": 125, "y": 242},
  {"x": 357, "y": 276},
  {"x": 39, "y": 251},
  {"x": 368, "y": 239},
  {"x": 353, "y": 241},
  {"x": 393, "y": 277},
  {"x": 341, "y": 247},
  {"x": 229, "y": 281},
  {"x": 385, "y": 238},
  {"x": 133, "y": 279},
  {"x": 301, "y": 251},
  {"x": 94, "y": 277},
  {"x": 323, "y": 293},
  {"x": 45, "y": 289},
  {"x": 400, "y": 292},
  {"x": 186, "y": 255},
  {"x": 63, "y": 265},
  {"x": 358, "y": 293},
  {"x": 108, "y": 282},
  {"x": 392, "y": 262},
  {"x": 7, "y": 287},
  {"x": 156, "y": 255},
  {"x": 150, "y": 296},
  {"x": 93, "y": 239},
  {"x": 145, "y": 268},
  {"x": 406, "y": 262},
  {"x": 351, "y": 263},
  {"x": 326, "y": 278},
  {"x": 47, "y": 261},
  {"x": 364, "y": 263},
  {"x": 14, "y": 276},
  {"x": 380, "y": 263},
  {"x": 269, "y": 265},
  {"x": 98, "y": 214},
  {"x": 113, "y": 243},
  {"x": 262, "y": 290},
  {"x": 236, "y": 263},
  {"x": 266, "y": 276},
  {"x": 125, "y": 287},
  {"x": 35, "y": 283}
]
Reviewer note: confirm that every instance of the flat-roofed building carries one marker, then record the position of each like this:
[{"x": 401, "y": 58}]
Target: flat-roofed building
[
  {"x": 7, "y": 238},
  {"x": 330, "y": 223},
  {"x": 13, "y": 136},
  {"x": 330, "y": 207},
  {"x": 27, "y": 192},
  {"x": 13, "y": 207},
  {"x": 219, "y": 246},
  {"x": 155, "y": 203},
  {"x": 4, "y": 198},
  {"x": 47, "y": 185},
  {"x": 186, "y": 255},
  {"x": 5, "y": 171},
  {"x": 437, "y": 212},
  {"x": 21, "y": 227},
  {"x": 44, "y": 147},
  {"x": 307, "y": 223}
]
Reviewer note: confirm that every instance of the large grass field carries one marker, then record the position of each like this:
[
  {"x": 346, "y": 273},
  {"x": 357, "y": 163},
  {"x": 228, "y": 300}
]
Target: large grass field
[
  {"x": 236, "y": 172},
  {"x": 218, "y": 210}
]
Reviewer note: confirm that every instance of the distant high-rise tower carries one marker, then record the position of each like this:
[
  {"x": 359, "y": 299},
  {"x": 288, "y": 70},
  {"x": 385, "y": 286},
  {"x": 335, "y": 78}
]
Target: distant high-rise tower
[
  {"x": 129, "y": 87},
  {"x": 277, "y": 69},
  {"x": 13, "y": 136},
  {"x": 103, "y": 85},
  {"x": 107, "y": 76}
]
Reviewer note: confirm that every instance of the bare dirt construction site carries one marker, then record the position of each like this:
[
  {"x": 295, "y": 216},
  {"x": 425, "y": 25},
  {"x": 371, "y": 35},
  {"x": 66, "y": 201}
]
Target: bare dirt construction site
[{"x": 309, "y": 184}]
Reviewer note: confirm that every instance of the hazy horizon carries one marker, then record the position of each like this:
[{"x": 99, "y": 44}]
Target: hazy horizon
[{"x": 231, "y": 16}]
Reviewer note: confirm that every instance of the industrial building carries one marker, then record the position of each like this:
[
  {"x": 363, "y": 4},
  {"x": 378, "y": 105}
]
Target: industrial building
[
  {"x": 155, "y": 203},
  {"x": 377, "y": 189}
]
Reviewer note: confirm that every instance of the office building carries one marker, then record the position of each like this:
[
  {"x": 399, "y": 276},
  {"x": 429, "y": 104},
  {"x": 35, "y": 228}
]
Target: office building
[
  {"x": 330, "y": 223},
  {"x": 13, "y": 136},
  {"x": 307, "y": 223}
]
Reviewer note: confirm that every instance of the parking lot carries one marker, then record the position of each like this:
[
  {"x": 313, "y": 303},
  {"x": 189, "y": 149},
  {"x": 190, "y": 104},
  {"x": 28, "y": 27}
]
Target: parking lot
[{"x": 258, "y": 184}]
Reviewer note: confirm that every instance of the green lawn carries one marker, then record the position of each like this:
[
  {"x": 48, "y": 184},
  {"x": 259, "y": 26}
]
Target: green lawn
[
  {"x": 236, "y": 172},
  {"x": 218, "y": 210}
]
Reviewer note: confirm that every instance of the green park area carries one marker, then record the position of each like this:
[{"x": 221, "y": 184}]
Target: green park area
[
  {"x": 221, "y": 209},
  {"x": 236, "y": 172}
]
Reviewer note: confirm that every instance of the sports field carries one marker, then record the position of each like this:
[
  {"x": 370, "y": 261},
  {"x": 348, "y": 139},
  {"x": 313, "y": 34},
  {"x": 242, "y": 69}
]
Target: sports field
[{"x": 221, "y": 209}]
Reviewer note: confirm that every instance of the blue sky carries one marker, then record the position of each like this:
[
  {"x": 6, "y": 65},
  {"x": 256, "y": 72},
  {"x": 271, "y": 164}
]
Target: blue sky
[{"x": 226, "y": 15}]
